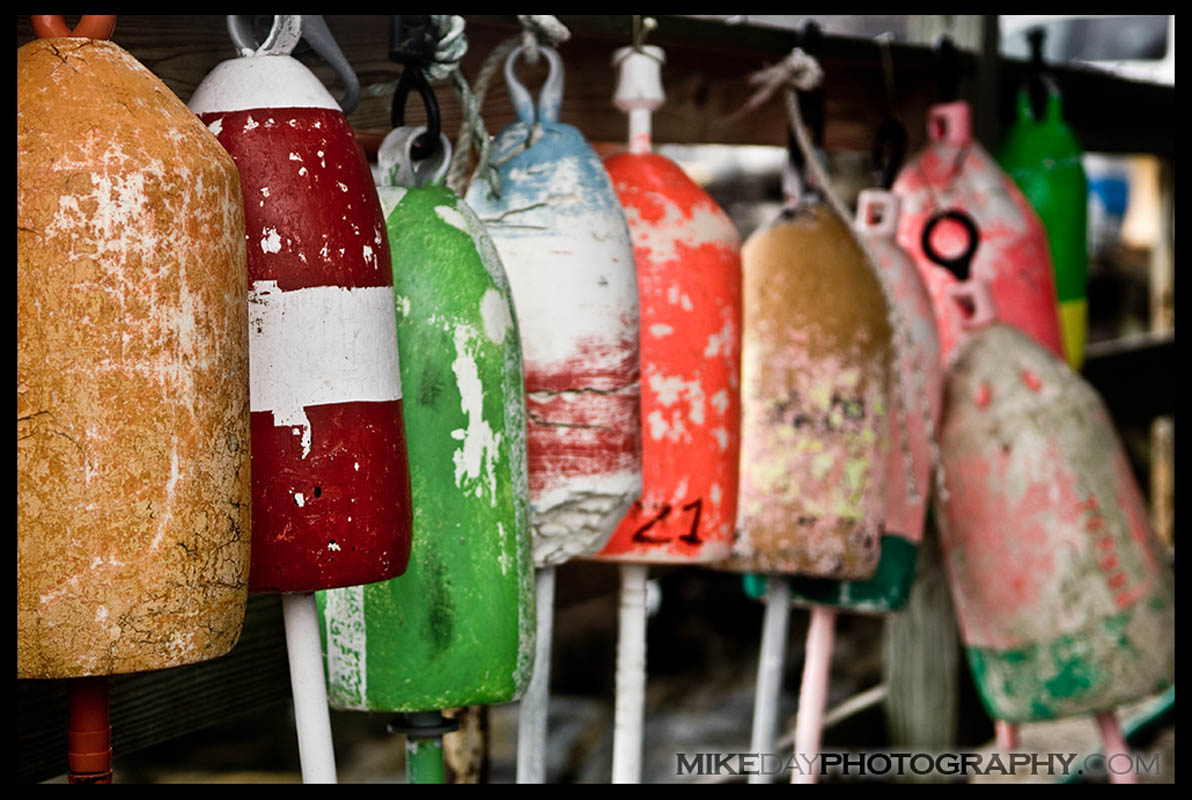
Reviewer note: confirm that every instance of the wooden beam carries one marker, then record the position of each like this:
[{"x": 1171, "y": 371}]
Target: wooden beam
[{"x": 708, "y": 63}]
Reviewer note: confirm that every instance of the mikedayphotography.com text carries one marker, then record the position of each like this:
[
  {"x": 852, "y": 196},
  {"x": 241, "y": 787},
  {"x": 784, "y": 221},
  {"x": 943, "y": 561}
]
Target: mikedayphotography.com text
[{"x": 883, "y": 764}]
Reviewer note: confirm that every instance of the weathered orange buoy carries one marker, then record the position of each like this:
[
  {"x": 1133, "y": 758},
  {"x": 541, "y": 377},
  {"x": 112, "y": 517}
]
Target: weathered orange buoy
[
  {"x": 817, "y": 350},
  {"x": 912, "y": 414},
  {"x": 1064, "y": 598},
  {"x": 689, "y": 287},
  {"x": 689, "y": 292},
  {"x": 132, "y": 371}
]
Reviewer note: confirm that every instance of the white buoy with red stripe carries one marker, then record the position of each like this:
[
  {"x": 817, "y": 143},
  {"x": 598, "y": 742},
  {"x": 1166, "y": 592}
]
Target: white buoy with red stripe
[
  {"x": 331, "y": 486},
  {"x": 559, "y": 227}
]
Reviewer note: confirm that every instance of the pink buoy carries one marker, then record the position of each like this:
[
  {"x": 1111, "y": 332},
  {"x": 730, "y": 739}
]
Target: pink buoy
[
  {"x": 878, "y": 215},
  {"x": 954, "y": 172}
]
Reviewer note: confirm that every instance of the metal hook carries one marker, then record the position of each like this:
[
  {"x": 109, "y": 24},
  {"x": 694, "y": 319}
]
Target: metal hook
[
  {"x": 947, "y": 64},
  {"x": 1039, "y": 84},
  {"x": 413, "y": 77},
  {"x": 641, "y": 27},
  {"x": 889, "y": 146},
  {"x": 959, "y": 265},
  {"x": 811, "y": 104},
  {"x": 889, "y": 150},
  {"x": 412, "y": 43},
  {"x": 883, "y": 44}
]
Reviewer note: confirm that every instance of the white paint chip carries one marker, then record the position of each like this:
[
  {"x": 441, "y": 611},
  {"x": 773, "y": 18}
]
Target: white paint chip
[
  {"x": 452, "y": 217},
  {"x": 497, "y": 317},
  {"x": 270, "y": 241}
]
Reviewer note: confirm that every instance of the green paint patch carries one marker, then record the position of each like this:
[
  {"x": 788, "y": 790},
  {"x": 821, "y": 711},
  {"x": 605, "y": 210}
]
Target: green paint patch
[
  {"x": 1096, "y": 667},
  {"x": 887, "y": 590}
]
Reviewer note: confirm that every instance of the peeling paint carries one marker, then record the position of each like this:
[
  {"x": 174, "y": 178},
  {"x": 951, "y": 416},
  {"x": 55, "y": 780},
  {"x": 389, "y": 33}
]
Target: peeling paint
[
  {"x": 563, "y": 240},
  {"x": 131, "y": 362}
]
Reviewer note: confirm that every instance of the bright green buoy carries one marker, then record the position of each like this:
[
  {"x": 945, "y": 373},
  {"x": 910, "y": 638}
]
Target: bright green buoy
[
  {"x": 1043, "y": 157},
  {"x": 458, "y": 627}
]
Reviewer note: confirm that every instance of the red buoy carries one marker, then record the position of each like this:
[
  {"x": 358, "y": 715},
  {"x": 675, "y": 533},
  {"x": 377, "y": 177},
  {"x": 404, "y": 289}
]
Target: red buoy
[{"x": 331, "y": 486}]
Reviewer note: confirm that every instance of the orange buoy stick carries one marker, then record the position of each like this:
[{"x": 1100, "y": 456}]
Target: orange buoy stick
[
  {"x": 89, "y": 738},
  {"x": 91, "y": 26}
]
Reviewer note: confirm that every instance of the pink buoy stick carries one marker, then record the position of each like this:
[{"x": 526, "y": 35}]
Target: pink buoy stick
[
  {"x": 1006, "y": 734},
  {"x": 1115, "y": 744},
  {"x": 813, "y": 692}
]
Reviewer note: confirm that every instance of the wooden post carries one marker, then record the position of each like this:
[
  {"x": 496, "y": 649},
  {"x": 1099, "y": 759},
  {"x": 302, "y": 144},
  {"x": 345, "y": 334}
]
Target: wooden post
[
  {"x": 465, "y": 752},
  {"x": 1162, "y": 285}
]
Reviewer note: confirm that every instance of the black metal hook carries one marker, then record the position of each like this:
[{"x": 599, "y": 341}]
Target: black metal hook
[
  {"x": 889, "y": 150},
  {"x": 1039, "y": 84},
  {"x": 811, "y": 104},
  {"x": 413, "y": 77},
  {"x": 947, "y": 66},
  {"x": 412, "y": 43},
  {"x": 960, "y": 265}
]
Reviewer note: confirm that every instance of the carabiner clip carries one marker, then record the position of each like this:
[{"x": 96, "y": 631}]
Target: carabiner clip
[{"x": 412, "y": 77}]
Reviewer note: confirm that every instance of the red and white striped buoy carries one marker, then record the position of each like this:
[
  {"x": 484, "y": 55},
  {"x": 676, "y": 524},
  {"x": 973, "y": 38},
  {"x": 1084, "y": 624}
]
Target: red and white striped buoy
[
  {"x": 331, "y": 497},
  {"x": 331, "y": 484}
]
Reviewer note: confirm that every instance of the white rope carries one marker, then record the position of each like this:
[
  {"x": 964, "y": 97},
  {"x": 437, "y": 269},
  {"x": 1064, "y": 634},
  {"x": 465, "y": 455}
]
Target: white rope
[
  {"x": 451, "y": 47},
  {"x": 539, "y": 27},
  {"x": 797, "y": 72}
]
